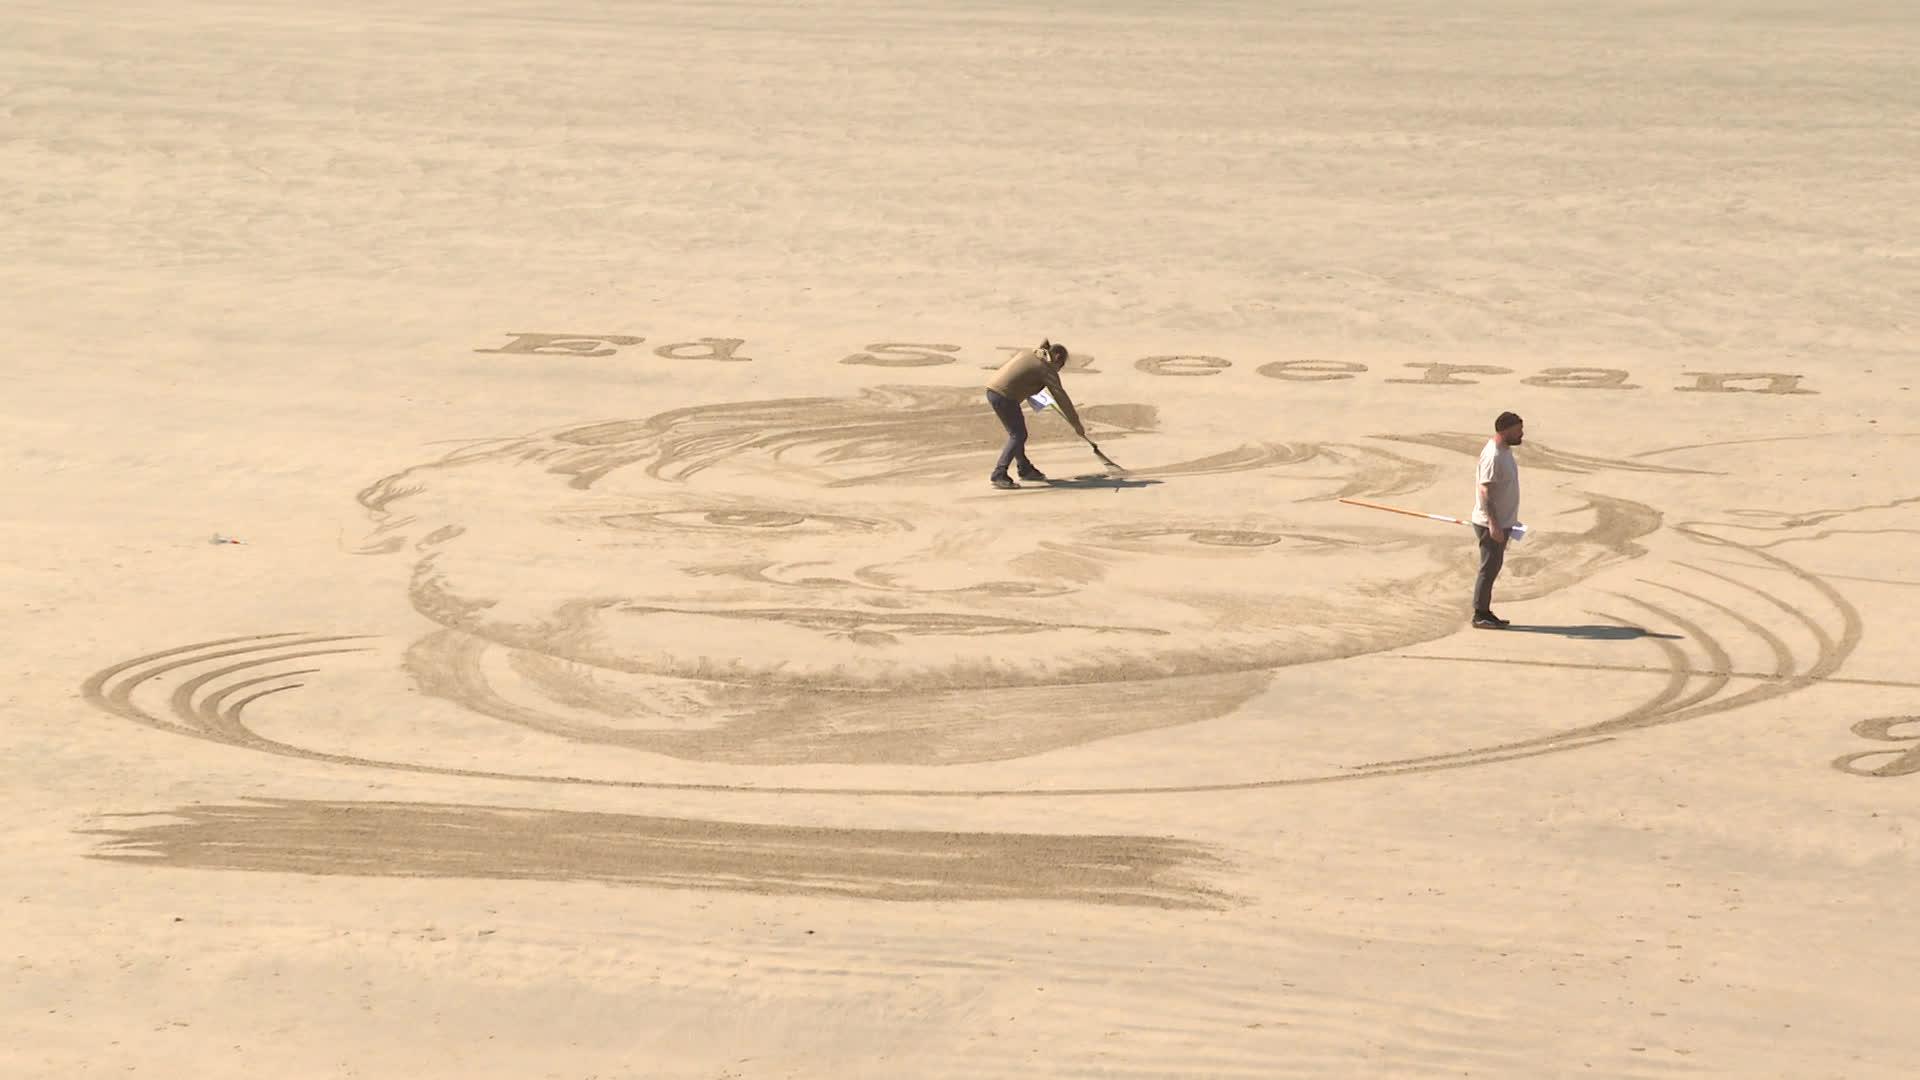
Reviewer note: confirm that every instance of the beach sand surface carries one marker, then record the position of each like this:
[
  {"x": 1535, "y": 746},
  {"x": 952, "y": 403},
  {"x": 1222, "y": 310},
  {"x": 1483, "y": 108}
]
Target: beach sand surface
[{"x": 625, "y": 669}]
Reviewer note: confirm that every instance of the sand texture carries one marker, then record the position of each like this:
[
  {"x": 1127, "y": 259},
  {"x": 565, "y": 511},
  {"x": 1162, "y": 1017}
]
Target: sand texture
[{"x": 624, "y": 668}]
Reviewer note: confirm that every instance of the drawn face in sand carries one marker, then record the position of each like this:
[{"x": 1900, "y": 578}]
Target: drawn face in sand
[{"x": 829, "y": 580}]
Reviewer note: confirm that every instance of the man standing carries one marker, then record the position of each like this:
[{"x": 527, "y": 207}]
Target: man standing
[
  {"x": 1496, "y": 508},
  {"x": 1029, "y": 372}
]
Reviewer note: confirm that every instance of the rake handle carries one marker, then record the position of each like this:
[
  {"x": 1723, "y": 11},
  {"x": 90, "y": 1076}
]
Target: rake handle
[{"x": 1409, "y": 513}]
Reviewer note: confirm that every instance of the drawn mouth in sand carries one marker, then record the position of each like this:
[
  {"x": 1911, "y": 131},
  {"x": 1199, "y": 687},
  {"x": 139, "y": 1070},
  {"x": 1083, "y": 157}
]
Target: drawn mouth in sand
[{"x": 877, "y": 628}]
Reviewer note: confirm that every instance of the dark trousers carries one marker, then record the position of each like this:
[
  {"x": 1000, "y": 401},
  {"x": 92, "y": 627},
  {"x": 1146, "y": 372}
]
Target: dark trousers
[
  {"x": 1008, "y": 410},
  {"x": 1492, "y": 556}
]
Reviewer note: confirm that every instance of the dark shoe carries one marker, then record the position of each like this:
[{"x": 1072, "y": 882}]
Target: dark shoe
[
  {"x": 1487, "y": 620},
  {"x": 1033, "y": 476},
  {"x": 1497, "y": 620},
  {"x": 1005, "y": 483}
]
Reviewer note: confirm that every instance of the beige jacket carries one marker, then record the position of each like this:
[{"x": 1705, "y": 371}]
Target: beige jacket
[{"x": 1026, "y": 375}]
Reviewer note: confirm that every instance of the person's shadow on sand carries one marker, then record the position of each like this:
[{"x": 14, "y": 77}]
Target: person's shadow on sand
[
  {"x": 1089, "y": 482},
  {"x": 1097, "y": 481},
  {"x": 1593, "y": 632}
]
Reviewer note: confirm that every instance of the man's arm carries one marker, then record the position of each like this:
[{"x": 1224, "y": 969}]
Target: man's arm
[
  {"x": 1494, "y": 527},
  {"x": 1063, "y": 402}
]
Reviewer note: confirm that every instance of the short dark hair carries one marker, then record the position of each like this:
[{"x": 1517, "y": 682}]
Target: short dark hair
[
  {"x": 1506, "y": 420},
  {"x": 1058, "y": 352}
]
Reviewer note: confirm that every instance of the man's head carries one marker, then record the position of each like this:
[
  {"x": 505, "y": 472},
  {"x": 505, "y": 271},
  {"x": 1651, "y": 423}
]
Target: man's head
[
  {"x": 1053, "y": 352},
  {"x": 1510, "y": 428}
]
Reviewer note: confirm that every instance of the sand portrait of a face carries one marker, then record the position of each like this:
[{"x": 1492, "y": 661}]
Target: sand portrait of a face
[{"x": 820, "y": 581}]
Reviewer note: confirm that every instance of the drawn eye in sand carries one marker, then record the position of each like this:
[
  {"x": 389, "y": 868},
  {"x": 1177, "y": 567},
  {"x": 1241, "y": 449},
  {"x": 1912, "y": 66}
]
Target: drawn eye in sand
[{"x": 742, "y": 521}]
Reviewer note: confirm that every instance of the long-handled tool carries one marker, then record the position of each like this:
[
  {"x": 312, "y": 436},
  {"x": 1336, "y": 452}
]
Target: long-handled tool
[
  {"x": 1517, "y": 532},
  {"x": 1042, "y": 401},
  {"x": 1112, "y": 465}
]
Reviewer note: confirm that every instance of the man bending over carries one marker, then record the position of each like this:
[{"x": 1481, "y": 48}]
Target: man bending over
[{"x": 1026, "y": 374}]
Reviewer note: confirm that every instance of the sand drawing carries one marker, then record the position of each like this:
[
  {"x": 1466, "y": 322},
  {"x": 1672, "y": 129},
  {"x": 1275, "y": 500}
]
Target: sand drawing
[
  {"x": 1902, "y": 758},
  {"x": 1723, "y": 644},
  {"x": 394, "y": 839},
  {"x": 789, "y": 582},
  {"x": 786, "y": 582},
  {"x": 843, "y": 616},
  {"x": 628, "y": 669}
]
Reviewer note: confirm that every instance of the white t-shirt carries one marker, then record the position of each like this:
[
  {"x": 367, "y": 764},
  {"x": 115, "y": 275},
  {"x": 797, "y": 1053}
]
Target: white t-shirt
[{"x": 1501, "y": 474}]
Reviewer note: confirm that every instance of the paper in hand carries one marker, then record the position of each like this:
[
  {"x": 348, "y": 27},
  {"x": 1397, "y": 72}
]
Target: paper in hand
[{"x": 1040, "y": 401}]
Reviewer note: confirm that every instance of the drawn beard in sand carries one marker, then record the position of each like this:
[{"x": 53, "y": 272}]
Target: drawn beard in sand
[{"x": 814, "y": 580}]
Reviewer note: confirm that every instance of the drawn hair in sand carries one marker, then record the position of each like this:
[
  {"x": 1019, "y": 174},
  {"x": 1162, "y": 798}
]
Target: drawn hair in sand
[{"x": 883, "y": 436}]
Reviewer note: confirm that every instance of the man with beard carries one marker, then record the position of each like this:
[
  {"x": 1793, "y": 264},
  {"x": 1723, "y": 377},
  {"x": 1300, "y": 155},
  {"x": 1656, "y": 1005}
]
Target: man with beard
[{"x": 1496, "y": 509}]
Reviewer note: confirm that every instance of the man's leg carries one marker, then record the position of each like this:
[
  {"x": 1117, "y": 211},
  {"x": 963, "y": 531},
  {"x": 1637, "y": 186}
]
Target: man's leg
[
  {"x": 1008, "y": 411},
  {"x": 1492, "y": 556}
]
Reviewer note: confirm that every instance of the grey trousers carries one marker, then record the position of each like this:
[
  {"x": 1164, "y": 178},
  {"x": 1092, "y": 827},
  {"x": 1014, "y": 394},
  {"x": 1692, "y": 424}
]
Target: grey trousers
[{"x": 1492, "y": 557}]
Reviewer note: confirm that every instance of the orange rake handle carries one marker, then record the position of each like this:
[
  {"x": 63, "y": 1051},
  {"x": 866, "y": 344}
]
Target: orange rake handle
[
  {"x": 1409, "y": 513},
  {"x": 1516, "y": 531}
]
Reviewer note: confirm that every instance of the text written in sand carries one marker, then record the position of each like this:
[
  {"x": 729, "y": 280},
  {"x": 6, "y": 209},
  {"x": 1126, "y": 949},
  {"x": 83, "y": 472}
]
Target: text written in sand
[{"x": 906, "y": 354}]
